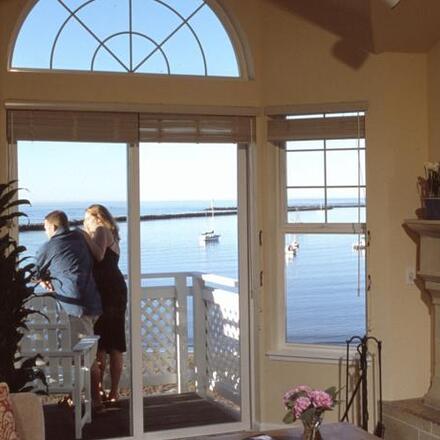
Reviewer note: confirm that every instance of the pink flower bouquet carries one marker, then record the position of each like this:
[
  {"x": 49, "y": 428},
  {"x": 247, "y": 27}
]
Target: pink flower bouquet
[{"x": 307, "y": 404}]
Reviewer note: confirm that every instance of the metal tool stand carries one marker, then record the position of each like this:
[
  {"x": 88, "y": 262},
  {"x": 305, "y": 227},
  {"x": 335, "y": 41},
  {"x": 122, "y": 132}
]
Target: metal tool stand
[{"x": 362, "y": 382}]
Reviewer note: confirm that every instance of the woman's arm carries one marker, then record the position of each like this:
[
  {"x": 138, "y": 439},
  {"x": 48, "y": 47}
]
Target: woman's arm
[{"x": 98, "y": 242}]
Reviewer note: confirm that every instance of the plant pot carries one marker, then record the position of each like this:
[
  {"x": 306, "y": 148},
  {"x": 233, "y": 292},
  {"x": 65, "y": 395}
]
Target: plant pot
[{"x": 432, "y": 208}]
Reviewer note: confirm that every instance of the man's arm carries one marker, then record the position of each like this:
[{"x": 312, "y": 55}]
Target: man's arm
[{"x": 42, "y": 263}]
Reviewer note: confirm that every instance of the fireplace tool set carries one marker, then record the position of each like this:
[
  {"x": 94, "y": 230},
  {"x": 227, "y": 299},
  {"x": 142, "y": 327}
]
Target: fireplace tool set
[{"x": 361, "y": 387}]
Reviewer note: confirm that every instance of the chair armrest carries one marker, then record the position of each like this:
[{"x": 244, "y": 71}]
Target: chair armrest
[
  {"x": 86, "y": 344},
  {"x": 49, "y": 353},
  {"x": 83, "y": 346},
  {"x": 47, "y": 326}
]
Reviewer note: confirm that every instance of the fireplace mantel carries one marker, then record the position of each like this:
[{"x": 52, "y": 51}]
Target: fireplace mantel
[
  {"x": 426, "y": 234},
  {"x": 429, "y": 228}
]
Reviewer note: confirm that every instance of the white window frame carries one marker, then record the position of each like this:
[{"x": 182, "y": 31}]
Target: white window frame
[
  {"x": 298, "y": 352},
  {"x": 242, "y": 52}
]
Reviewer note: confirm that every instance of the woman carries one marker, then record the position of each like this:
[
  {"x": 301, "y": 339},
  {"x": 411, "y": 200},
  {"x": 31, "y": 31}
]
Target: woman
[{"x": 102, "y": 235}]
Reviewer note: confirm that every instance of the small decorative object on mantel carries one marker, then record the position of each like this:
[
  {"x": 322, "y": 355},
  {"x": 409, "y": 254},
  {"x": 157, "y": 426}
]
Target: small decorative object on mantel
[
  {"x": 429, "y": 190},
  {"x": 260, "y": 437},
  {"x": 308, "y": 405}
]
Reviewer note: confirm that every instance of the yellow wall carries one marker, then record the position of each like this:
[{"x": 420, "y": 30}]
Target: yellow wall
[
  {"x": 294, "y": 65},
  {"x": 302, "y": 70},
  {"x": 434, "y": 102}
]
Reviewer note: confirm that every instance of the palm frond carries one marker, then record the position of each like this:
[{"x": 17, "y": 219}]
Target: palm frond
[{"x": 15, "y": 292}]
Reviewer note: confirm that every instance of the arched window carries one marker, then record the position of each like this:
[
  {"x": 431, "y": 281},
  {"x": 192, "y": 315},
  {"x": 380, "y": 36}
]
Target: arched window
[{"x": 174, "y": 37}]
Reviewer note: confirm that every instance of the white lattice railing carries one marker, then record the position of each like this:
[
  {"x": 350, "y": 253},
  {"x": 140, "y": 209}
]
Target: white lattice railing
[
  {"x": 217, "y": 341},
  {"x": 190, "y": 333}
]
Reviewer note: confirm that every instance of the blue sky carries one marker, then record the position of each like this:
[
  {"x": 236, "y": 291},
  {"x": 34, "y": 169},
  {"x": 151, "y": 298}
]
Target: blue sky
[
  {"x": 108, "y": 21},
  {"x": 61, "y": 171}
]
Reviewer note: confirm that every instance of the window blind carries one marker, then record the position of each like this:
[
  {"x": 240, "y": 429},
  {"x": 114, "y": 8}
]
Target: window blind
[
  {"x": 304, "y": 128},
  {"x": 48, "y": 125},
  {"x": 195, "y": 128},
  {"x": 129, "y": 127}
]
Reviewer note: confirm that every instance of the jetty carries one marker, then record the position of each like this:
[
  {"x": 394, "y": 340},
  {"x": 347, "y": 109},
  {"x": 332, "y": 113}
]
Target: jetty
[{"x": 220, "y": 211}]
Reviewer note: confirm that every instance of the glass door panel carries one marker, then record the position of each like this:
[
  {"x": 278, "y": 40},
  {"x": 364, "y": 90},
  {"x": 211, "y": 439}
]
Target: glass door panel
[
  {"x": 190, "y": 285},
  {"x": 70, "y": 177}
]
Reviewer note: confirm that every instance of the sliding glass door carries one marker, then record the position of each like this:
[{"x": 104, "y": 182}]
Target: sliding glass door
[{"x": 182, "y": 215}]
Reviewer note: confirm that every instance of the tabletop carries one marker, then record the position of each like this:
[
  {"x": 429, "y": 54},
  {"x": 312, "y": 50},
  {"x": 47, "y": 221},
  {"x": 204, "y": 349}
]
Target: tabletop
[{"x": 329, "y": 431}]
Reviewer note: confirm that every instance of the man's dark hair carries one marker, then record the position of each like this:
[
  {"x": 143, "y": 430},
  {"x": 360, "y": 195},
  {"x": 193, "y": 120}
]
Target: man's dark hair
[{"x": 57, "y": 218}]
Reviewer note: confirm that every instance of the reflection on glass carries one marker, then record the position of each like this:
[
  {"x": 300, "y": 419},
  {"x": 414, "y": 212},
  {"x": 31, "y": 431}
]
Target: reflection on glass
[
  {"x": 344, "y": 143},
  {"x": 342, "y": 168},
  {"x": 305, "y": 145},
  {"x": 305, "y": 168},
  {"x": 344, "y": 205},
  {"x": 311, "y": 116},
  {"x": 344, "y": 114},
  {"x": 189, "y": 305},
  {"x": 362, "y": 167},
  {"x": 306, "y": 205},
  {"x": 324, "y": 288},
  {"x": 347, "y": 205}
]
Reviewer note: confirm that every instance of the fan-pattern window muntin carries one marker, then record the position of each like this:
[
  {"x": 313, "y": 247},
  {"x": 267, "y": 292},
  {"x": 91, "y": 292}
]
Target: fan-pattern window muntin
[
  {"x": 326, "y": 152},
  {"x": 185, "y": 21}
]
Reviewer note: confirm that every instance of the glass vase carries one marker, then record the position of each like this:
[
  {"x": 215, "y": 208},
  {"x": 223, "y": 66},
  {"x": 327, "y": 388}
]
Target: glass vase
[{"x": 311, "y": 429}]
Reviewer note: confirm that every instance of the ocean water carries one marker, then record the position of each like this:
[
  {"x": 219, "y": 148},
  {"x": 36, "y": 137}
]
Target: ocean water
[{"x": 325, "y": 295}]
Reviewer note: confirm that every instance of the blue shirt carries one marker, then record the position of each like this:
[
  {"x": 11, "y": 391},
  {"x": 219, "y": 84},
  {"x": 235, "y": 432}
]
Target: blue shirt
[{"x": 67, "y": 261}]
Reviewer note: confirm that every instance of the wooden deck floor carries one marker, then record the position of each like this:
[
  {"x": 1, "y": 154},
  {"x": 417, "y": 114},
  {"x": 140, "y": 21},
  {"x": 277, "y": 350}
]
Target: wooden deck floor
[{"x": 160, "y": 412}]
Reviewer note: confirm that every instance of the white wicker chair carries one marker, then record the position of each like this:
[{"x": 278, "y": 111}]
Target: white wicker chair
[{"x": 67, "y": 368}]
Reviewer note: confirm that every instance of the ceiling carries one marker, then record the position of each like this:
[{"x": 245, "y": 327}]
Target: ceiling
[{"x": 370, "y": 25}]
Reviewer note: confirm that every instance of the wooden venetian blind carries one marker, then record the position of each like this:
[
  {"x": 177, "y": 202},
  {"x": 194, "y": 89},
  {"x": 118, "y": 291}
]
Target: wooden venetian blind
[
  {"x": 195, "y": 128},
  {"x": 334, "y": 127},
  {"x": 48, "y": 125},
  {"x": 129, "y": 127}
]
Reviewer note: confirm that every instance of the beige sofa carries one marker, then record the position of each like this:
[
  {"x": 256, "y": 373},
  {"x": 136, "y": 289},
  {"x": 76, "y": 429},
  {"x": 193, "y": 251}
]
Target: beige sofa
[{"x": 29, "y": 419}]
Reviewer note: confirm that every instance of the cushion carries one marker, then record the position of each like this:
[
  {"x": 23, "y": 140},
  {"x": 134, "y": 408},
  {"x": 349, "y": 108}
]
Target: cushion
[{"x": 7, "y": 420}]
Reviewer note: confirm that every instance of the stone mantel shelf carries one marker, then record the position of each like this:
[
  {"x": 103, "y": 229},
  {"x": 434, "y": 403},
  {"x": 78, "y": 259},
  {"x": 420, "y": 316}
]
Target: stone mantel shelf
[
  {"x": 434, "y": 277},
  {"x": 429, "y": 228},
  {"x": 426, "y": 234}
]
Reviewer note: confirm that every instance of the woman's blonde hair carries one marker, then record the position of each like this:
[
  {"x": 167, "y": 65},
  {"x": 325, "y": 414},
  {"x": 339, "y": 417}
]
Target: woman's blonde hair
[{"x": 103, "y": 215}]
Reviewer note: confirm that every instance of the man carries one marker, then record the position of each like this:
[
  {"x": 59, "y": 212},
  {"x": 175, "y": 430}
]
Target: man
[{"x": 64, "y": 265}]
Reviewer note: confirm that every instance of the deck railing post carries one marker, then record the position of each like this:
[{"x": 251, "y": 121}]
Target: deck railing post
[
  {"x": 181, "y": 333},
  {"x": 200, "y": 347}
]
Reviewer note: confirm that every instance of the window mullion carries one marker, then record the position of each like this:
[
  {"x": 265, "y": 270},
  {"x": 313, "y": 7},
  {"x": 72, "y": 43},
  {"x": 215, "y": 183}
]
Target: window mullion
[
  {"x": 325, "y": 182},
  {"x": 324, "y": 228},
  {"x": 284, "y": 203}
]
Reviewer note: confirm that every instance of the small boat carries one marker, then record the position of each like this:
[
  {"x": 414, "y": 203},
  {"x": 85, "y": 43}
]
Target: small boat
[
  {"x": 292, "y": 249},
  {"x": 209, "y": 236},
  {"x": 359, "y": 245}
]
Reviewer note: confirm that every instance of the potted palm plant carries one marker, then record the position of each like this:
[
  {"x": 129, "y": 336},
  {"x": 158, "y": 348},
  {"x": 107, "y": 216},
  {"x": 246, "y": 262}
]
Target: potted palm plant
[{"x": 16, "y": 290}]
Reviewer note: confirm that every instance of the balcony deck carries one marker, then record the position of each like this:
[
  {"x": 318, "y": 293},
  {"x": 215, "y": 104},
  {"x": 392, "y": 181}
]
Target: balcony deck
[
  {"x": 190, "y": 357},
  {"x": 160, "y": 412}
]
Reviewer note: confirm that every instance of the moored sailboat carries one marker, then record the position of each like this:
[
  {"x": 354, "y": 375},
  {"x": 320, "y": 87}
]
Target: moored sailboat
[{"x": 210, "y": 236}]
